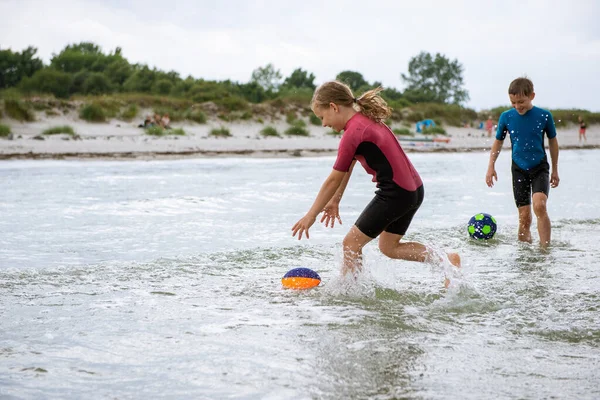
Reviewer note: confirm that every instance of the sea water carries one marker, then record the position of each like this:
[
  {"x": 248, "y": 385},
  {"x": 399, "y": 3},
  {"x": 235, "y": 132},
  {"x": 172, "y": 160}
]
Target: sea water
[{"x": 161, "y": 279}]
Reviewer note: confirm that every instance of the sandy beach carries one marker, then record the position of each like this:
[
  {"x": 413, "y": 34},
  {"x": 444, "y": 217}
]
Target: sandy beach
[{"x": 125, "y": 140}]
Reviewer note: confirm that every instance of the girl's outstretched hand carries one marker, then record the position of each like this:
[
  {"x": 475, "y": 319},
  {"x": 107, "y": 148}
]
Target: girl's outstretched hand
[
  {"x": 331, "y": 212},
  {"x": 302, "y": 226}
]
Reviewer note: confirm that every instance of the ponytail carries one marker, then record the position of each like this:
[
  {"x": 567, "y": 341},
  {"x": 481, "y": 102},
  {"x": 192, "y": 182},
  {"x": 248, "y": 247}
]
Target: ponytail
[
  {"x": 370, "y": 103},
  {"x": 373, "y": 106}
]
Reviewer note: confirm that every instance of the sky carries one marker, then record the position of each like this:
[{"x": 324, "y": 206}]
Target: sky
[{"x": 554, "y": 43}]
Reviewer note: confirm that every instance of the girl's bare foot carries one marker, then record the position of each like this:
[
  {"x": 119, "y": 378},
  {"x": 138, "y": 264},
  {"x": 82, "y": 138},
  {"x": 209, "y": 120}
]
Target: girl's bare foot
[{"x": 454, "y": 259}]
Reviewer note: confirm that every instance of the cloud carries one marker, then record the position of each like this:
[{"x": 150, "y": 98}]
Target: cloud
[{"x": 554, "y": 43}]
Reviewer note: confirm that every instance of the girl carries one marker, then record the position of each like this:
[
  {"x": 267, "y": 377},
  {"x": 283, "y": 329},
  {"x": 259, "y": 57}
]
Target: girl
[{"x": 400, "y": 189}]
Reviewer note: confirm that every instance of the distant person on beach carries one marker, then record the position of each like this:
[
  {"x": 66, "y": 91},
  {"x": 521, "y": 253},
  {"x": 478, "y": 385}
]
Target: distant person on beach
[
  {"x": 165, "y": 121},
  {"x": 147, "y": 122},
  {"x": 400, "y": 192},
  {"x": 157, "y": 120},
  {"x": 530, "y": 168},
  {"x": 489, "y": 126},
  {"x": 582, "y": 128}
]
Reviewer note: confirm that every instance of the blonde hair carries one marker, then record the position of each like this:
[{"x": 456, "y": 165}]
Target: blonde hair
[{"x": 370, "y": 103}]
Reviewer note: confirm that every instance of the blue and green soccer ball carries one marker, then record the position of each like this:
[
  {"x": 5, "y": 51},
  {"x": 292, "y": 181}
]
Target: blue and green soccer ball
[{"x": 482, "y": 226}]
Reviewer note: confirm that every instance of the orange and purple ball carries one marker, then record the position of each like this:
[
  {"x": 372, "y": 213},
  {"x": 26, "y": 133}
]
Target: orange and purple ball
[{"x": 300, "y": 278}]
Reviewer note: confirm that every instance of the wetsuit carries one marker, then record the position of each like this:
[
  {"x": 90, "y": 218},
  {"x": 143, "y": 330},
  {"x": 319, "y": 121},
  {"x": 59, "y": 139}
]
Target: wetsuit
[
  {"x": 530, "y": 169},
  {"x": 400, "y": 189}
]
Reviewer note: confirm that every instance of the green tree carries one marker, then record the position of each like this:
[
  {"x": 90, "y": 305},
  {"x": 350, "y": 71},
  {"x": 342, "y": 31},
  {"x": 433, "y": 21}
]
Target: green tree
[
  {"x": 267, "y": 77},
  {"x": 353, "y": 79},
  {"x": 141, "y": 80},
  {"x": 49, "y": 80},
  {"x": 252, "y": 92},
  {"x": 77, "y": 57},
  {"x": 435, "y": 79},
  {"x": 300, "y": 79},
  {"x": 15, "y": 66},
  {"x": 182, "y": 87},
  {"x": 162, "y": 86},
  {"x": 96, "y": 83},
  {"x": 118, "y": 71}
]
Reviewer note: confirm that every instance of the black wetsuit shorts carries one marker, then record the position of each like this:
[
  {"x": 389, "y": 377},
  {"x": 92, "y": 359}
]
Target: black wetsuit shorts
[
  {"x": 390, "y": 212},
  {"x": 527, "y": 182}
]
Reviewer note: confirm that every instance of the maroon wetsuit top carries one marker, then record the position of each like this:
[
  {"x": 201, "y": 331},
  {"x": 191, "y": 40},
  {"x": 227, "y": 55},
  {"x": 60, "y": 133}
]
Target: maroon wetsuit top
[{"x": 376, "y": 148}]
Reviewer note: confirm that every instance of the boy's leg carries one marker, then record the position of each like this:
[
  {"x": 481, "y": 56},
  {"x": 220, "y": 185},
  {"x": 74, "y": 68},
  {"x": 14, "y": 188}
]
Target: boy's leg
[
  {"x": 353, "y": 244},
  {"x": 543, "y": 220},
  {"x": 525, "y": 223},
  {"x": 540, "y": 187}
]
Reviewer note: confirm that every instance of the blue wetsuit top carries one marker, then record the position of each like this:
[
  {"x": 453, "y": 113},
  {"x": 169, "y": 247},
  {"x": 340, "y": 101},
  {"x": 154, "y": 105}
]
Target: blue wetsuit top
[{"x": 527, "y": 134}]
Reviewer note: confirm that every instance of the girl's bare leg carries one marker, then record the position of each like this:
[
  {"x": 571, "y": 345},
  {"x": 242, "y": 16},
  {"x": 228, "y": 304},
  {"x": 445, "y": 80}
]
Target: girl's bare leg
[
  {"x": 353, "y": 244},
  {"x": 390, "y": 244}
]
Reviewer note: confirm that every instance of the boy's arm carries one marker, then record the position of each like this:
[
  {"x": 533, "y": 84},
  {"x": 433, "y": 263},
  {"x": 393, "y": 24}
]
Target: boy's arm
[
  {"x": 553, "y": 146},
  {"x": 491, "y": 171}
]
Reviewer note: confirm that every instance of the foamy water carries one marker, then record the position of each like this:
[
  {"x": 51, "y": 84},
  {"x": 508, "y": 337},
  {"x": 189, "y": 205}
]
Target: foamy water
[{"x": 162, "y": 279}]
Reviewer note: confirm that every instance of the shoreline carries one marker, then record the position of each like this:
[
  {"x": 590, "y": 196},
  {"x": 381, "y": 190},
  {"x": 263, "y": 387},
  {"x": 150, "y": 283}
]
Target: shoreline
[
  {"x": 176, "y": 155},
  {"x": 119, "y": 140}
]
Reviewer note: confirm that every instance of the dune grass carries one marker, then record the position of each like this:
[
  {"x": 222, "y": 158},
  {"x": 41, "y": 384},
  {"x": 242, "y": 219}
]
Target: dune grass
[
  {"x": 269, "y": 131},
  {"x": 158, "y": 131},
  {"x": 402, "y": 132},
  {"x": 57, "y": 130},
  {"x": 17, "y": 109},
  {"x": 220, "y": 132},
  {"x": 432, "y": 130},
  {"x": 4, "y": 130}
]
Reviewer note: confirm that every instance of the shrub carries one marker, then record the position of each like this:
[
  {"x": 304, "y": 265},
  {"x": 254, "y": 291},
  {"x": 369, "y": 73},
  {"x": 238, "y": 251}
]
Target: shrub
[
  {"x": 402, "y": 132},
  {"x": 429, "y": 130},
  {"x": 195, "y": 115},
  {"x": 296, "y": 130},
  {"x": 155, "y": 131},
  {"x": 291, "y": 117},
  {"x": 96, "y": 83},
  {"x": 52, "y": 113},
  {"x": 298, "y": 123},
  {"x": 451, "y": 114},
  {"x": 298, "y": 96},
  {"x": 314, "y": 119},
  {"x": 176, "y": 131},
  {"x": 333, "y": 133},
  {"x": 92, "y": 113},
  {"x": 4, "y": 130},
  {"x": 269, "y": 131},
  {"x": 159, "y": 131},
  {"x": 48, "y": 80},
  {"x": 58, "y": 130},
  {"x": 220, "y": 132},
  {"x": 130, "y": 112},
  {"x": 15, "y": 109},
  {"x": 162, "y": 86},
  {"x": 232, "y": 103}
]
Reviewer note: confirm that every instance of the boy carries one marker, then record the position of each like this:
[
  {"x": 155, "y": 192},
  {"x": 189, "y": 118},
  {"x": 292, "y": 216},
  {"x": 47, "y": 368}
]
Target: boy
[{"x": 526, "y": 125}]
